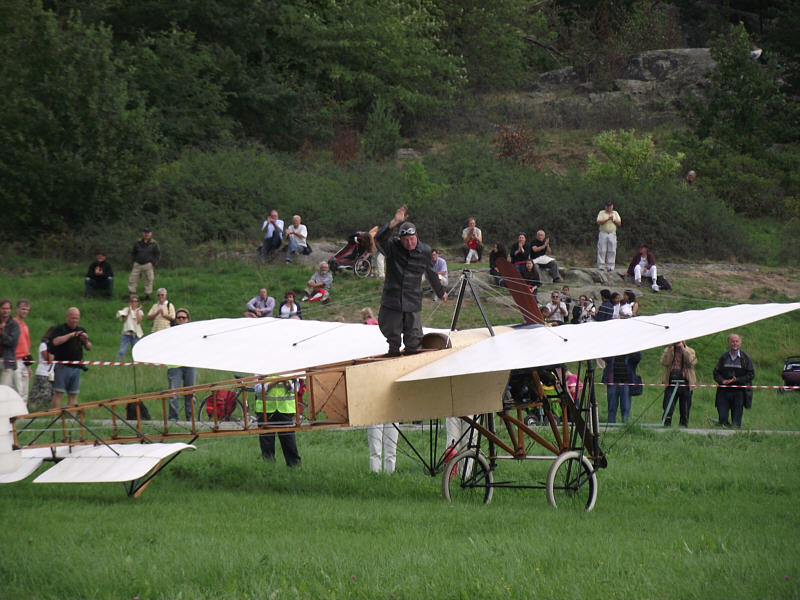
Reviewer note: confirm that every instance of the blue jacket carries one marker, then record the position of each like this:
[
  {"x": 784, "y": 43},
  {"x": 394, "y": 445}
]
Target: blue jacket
[{"x": 631, "y": 362}]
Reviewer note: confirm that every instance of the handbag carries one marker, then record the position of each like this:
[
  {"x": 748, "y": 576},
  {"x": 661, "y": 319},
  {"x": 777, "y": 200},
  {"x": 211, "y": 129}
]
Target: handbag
[
  {"x": 307, "y": 249},
  {"x": 636, "y": 387}
]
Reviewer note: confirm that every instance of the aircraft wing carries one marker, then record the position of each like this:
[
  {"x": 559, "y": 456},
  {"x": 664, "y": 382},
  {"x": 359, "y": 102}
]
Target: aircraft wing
[
  {"x": 261, "y": 346},
  {"x": 539, "y": 346}
]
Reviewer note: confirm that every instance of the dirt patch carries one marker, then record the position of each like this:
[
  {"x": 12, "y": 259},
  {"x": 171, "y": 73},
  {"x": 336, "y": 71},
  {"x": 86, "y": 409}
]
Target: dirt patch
[{"x": 745, "y": 283}]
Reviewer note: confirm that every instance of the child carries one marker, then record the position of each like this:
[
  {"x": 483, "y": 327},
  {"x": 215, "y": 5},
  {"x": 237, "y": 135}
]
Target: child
[{"x": 472, "y": 244}]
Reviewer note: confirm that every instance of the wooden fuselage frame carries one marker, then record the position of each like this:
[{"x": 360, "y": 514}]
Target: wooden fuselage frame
[{"x": 355, "y": 393}]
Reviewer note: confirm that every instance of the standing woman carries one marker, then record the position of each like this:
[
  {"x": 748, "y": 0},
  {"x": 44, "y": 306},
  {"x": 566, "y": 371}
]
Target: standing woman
[
  {"x": 131, "y": 317},
  {"x": 41, "y": 396}
]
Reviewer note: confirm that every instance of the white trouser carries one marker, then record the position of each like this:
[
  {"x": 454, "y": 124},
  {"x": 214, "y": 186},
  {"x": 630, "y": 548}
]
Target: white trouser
[
  {"x": 455, "y": 429},
  {"x": 606, "y": 250},
  {"x": 22, "y": 380},
  {"x": 472, "y": 256},
  {"x": 382, "y": 439},
  {"x": 638, "y": 272},
  {"x": 380, "y": 265}
]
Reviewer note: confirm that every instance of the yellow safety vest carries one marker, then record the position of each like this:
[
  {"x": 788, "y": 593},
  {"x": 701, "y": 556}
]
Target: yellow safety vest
[{"x": 279, "y": 398}]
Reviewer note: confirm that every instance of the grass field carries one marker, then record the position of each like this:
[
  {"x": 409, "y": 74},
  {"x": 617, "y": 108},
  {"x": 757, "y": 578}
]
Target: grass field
[{"x": 678, "y": 515}]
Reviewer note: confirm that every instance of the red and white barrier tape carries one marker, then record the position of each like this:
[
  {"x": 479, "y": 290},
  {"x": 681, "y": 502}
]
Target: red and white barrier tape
[{"x": 110, "y": 363}]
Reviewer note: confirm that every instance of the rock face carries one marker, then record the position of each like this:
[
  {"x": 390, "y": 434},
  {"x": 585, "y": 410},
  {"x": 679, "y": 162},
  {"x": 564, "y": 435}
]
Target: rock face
[{"x": 648, "y": 92}]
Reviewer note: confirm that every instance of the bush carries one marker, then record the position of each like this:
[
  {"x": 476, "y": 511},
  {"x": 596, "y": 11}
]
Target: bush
[{"x": 382, "y": 132}]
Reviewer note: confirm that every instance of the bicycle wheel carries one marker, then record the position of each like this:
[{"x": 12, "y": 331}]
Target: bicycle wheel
[
  {"x": 363, "y": 268},
  {"x": 467, "y": 478},
  {"x": 572, "y": 482}
]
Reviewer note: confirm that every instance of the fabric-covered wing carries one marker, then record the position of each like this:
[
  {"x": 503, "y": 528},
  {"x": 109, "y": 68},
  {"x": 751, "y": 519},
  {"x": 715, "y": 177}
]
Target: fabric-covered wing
[
  {"x": 262, "y": 346},
  {"x": 540, "y": 346}
]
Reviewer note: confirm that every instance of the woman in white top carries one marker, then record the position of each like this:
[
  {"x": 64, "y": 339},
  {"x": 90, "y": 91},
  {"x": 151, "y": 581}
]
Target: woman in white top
[
  {"x": 629, "y": 307},
  {"x": 289, "y": 309},
  {"x": 131, "y": 317},
  {"x": 41, "y": 395}
]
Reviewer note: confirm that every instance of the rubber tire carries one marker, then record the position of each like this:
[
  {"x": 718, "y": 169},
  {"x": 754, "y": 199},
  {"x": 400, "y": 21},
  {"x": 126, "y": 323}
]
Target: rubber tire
[
  {"x": 530, "y": 421},
  {"x": 578, "y": 468},
  {"x": 364, "y": 269},
  {"x": 479, "y": 478}
]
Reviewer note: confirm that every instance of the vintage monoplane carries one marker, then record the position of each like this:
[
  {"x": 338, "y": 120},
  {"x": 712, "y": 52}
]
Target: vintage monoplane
[{"x": 351, "y": 382}]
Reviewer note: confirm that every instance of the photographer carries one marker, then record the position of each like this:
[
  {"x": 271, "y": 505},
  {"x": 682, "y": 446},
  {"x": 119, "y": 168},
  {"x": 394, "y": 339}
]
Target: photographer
[{"x": 67, "y": 344}]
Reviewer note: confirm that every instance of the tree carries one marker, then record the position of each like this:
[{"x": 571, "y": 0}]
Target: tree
[
  {"x": 630, "y": 160},
  {"x": 746, "y": 109}
]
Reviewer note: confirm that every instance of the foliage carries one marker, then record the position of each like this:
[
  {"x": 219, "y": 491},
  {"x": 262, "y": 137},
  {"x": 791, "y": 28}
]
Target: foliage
[
  {"x": 382, "y": 132},
  {"x": 630, "y": 160},
  {"x": 492, "y": 38},
  {"x": 184, "y": 82},
  {"x": 517, "y": 143},
  {"x": 75, "y": 140},
  {"x": 745, "y": 110},
  {"x": 597, "y": 36}
]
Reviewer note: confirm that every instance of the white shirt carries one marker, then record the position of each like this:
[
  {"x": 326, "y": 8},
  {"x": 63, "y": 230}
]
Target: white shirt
[
  {"x": 302, "y": 234},
  {"x": 271, "y": 228}
]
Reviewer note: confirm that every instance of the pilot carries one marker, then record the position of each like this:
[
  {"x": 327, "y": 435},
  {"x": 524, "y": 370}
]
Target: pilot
[{"x": 407, "y": 260}]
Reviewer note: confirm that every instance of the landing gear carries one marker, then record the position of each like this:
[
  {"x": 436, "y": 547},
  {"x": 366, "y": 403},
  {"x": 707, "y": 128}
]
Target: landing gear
[
  {"x": 571, "y": 482},
  {"x": 468, "y": 478}
]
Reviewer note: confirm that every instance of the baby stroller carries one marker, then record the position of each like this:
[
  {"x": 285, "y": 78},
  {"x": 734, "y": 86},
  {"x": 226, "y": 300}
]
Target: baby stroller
[
  {"x": 354, "y": 256},
  {"x": 791, "y": 373}
]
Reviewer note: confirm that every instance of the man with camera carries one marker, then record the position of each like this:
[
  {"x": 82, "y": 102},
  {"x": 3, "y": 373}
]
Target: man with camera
[{"x": 66, "y": 345}]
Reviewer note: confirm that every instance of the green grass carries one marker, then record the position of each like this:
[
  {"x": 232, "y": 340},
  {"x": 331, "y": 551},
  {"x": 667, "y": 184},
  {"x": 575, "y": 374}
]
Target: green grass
[{"x": 678, "y": 516}]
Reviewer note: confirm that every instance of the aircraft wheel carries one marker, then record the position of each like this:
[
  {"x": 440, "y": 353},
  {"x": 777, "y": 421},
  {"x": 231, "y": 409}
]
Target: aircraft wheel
[
  {"x": 572, "y": 482},
  {"x": 467, "y": 478},
  {"x": 363, "y": 268}
]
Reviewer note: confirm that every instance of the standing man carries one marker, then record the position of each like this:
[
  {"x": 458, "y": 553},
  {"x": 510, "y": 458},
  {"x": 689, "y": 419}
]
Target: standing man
[
  {"x": 607, "y": 220},
  {"x": 297, "y": 233},
  {"x": 734, "y": 368},
  {"x": 619, "y": 374},
  {"x": 9, "y": 336},
  {"x": 145, "y": 256},
  {"x": 679, "y": 361},
  {"x": 471, "y": 232},
  {"x": 22, "y": 374},
  {"x": 99, "y": 276},
  {"x": 67, "y": 344},
  {"x": 178, "y": 376},
  {"x": 540, "y": 250},
  {"x": 273, "y": 234},
  {"x": 276, "y": 404},
  {"x": 644, "y": 263},
  {"x": 407, "y": 260}
]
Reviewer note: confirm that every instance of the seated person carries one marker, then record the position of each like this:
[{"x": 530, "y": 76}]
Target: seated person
[
  {"x": 318, "y": 287},
  {"x": 289, "y": 309},
  {"x": 473, "y": 241},
  {"x": 555, "y": 311},
  {"x": 297, "y": 234},
  {"x": 368, "y": 317},
  {"x": 643, "y": 263},
  {"x": 606, "y": 310},
  {"x": 583, "y": 311},
  {"x": 498, "y": 251},
  {"x": 540, "y": 249},
  {"x": 520, "y": 252},
  {"x": 261, "y": 305},
  {"x": 566, "y": 298},
  {"x": 439, "y": 265},
  {"x": 99, "y": 276},
  {"x": 629, "y": 307},
  {"x": 616, "y": 304},
  {"x": 530, "y": 274}
]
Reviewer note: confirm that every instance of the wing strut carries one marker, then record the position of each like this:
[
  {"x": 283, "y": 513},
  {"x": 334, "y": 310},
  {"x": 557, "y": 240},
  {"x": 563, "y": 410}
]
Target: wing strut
[{"x": 466, "y": 280}]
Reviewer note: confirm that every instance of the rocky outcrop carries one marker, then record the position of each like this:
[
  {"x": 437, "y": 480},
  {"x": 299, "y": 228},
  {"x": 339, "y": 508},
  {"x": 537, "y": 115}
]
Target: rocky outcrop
[{"x": 648, "y": 91}]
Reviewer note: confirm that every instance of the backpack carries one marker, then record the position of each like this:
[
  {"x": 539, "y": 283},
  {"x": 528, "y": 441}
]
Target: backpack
[
  {"x": 221, "y": 403},
  {"x": 663, "y": 283}
]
